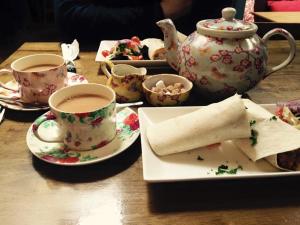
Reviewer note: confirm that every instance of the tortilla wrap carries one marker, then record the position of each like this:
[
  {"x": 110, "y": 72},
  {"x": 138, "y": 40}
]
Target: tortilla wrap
[
  {"x": 208, "y": 125},
  {"x": 274, "y": 136},
  {"x": 156, "y": 48}
]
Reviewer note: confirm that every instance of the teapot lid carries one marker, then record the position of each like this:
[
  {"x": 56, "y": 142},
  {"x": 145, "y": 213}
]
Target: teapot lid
[{"x": 227, "y": 26}]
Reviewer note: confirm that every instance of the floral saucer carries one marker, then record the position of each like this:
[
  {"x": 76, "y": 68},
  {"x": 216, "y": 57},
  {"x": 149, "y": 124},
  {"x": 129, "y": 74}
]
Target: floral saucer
[
  {"x": 55, "y": 152},
  {"x": 73, "y": 78}
]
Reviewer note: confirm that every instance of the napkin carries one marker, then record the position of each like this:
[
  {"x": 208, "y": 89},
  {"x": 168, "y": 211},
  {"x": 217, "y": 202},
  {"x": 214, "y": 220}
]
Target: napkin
[
  {"x": 273, "y": 136},
  {"x": 70, "y": 52},
  {"x": 208, "y": 125}
]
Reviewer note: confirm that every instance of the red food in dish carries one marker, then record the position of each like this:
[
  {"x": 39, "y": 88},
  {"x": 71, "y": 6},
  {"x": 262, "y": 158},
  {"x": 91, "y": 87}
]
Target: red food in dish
[{"x": 125, "y": 49}]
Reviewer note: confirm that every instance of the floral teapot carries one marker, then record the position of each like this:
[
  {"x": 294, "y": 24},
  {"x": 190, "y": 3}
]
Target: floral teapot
[{"x": 224, "y": 56}]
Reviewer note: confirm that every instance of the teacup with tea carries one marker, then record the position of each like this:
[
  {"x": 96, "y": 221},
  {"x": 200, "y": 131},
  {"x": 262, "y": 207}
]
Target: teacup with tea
[
  {"x": 38, "y": 76},
  {"x": 86, "y": 114}
]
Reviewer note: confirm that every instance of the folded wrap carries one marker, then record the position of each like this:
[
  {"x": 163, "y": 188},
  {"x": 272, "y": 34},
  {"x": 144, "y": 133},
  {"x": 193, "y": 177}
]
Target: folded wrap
[
  {"x": 208, "y": 125},
  {"x": 273, "y": 136},
  {"x": 156, "y": 48}
]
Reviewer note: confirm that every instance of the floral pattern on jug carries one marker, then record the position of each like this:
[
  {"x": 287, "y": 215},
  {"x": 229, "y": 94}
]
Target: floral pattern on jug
[
  {"x": 125, "y": 80},
  {"x": 128, "y": 88},
  {"x": 224, "y": 56}
]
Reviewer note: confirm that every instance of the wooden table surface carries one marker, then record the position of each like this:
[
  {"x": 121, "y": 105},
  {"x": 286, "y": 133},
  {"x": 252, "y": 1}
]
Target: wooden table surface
[
  {"x": 114, "y": 192},
  {"x": 279, "y": 17}
]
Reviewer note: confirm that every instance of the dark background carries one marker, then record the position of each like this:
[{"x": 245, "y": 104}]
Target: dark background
[
  {"x": 25, "y": 20},
  {"x": 33, "y": 20}
]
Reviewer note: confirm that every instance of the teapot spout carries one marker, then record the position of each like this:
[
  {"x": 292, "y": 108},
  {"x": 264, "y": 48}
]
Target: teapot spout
[
  {"x": 172, "y": 39},
  {"x": 181, "y": 37}
]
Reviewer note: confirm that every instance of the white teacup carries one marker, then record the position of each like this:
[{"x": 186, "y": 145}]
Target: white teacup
[
  {"x": 38, "y": 76},
  {"x": 83, "y": 129}
]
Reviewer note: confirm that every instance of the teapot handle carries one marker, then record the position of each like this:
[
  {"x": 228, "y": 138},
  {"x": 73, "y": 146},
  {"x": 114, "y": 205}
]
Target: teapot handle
[
  {"x": 292, "y": 44},
  {"x": 103, "y": 66}
]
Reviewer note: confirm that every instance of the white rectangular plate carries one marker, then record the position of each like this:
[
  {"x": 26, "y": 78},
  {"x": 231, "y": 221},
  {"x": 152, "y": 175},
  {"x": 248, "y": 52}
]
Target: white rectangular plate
[
  {"x": 186, "y": 165},
  {"x": 107, "y": 45}
]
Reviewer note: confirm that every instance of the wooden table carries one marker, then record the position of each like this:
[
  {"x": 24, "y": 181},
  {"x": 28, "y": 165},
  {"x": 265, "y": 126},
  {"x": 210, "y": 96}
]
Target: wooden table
[
  {"x": 279, "y": 17},
  {"x": 114, "y": 192}
]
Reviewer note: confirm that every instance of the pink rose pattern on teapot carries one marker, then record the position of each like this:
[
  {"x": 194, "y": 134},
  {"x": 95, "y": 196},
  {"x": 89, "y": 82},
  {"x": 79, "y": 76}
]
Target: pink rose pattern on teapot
[
  {"x": 234, "y": 61},
  {"x": 224, "y": 56}
]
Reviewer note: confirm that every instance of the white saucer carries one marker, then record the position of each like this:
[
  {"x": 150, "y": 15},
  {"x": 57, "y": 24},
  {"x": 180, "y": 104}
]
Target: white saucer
[
  {"x": 73, "y": 78},
  {"x": 55, "y": 153}
]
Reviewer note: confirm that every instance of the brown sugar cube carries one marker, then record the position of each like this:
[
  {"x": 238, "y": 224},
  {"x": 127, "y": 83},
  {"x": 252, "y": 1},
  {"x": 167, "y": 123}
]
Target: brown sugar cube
[
  {"x": 178, "y": 85},
  {"x": 160, "y": 84},
  {"x": 159, "y": 89},
  {"x": 175, "y": 91},
  {"x": 155, "y": 89},
  {"x": 168, "y": 90},
  {"x": 170, "y": 87}
]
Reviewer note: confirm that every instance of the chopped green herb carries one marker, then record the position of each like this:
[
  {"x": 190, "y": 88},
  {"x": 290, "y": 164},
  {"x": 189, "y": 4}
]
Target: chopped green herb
[
  {"x": 234, "y": 171},
  {"x": 224, "y": 169},
  {"x": 121, "y": 47},
  {"x": 199, "y": 158},
  {"x": 135, "y": 53},
  {"x": 254, "y": 133},
  {"x": 252, "y": 122},
  {"x": 273, "y": 118},
  {"x": 253, "y": 137}
]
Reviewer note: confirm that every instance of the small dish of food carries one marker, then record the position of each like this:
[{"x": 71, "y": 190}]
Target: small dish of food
[
  {"x": 167, "y": 89},
  {"x": 147, "y": 52},
  {"x": 127, "y": 49}
]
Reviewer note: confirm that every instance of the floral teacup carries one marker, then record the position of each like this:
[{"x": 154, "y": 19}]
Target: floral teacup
[
  {"x": 83, "y": 130},
  {"x": 38, "y": 76},
  {"x": 125, "y": 80}
]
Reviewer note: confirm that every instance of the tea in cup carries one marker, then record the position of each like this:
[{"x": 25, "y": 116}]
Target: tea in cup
[
  {"x": 125, "y": 80},
  {"x": 86, "y": 115},
  {"x": 38, "y": 76}
]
